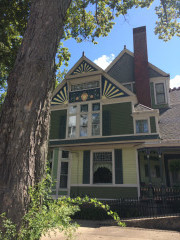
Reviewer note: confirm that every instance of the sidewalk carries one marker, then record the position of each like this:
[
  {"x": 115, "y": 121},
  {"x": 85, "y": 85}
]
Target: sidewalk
[{"x": 92, "y": 232}]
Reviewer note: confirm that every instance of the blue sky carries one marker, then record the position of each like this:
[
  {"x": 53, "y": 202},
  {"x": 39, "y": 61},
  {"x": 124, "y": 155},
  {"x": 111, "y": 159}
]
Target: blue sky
[{"x": 164, "y": 55}]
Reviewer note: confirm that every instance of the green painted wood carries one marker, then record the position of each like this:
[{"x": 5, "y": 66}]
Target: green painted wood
[
  {"x": 104, "y": 192},
  {"x": 86, "y": 167},
  {"x": 118, "y": 166},
  {"x": 55, "y": 167},
  {"x": 153, "y": 124},
  {"x": 64, "y": 193},
  {"x": 106, "y": 126},
  {"x": 121, "y": 119},
  {"x": 103, "y": 140},
  {"x": 58, "y": 124}
]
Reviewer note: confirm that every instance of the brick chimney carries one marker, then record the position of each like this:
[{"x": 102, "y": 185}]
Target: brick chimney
[{"x": 142, "y": 82}]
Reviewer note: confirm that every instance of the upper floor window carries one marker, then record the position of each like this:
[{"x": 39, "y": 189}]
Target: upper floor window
[
  {"x": 130, "y": 86},
  {"x": 160, "y": 93},
  {"x": 83, "y": 86},
  {"x": 84, "y": 120},
  {"x": 72, "y": 121},
  {"x": 141, "y": 126}
]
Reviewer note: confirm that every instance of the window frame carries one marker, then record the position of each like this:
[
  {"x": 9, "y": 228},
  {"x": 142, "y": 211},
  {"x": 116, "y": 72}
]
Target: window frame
[
  {"x": 91, "y": 167},
  {"x": 148, "y": 122},
  {"x": 155, "y": 93},
  {"x": 78, "y": 117}
]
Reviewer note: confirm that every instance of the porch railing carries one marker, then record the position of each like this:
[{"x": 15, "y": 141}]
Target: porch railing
[{"x": 158, "y": 193}]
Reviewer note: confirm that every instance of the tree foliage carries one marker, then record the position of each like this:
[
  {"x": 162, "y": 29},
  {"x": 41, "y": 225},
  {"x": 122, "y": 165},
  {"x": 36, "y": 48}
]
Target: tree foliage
[
  {"x": 13, "y": 15},
  {"x": 168, "y": 24}
]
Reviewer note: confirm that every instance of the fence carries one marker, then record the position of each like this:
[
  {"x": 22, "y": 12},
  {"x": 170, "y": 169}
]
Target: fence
[
  {"x": 133, "y": 208},
  {"x": 154, "y": 192}
]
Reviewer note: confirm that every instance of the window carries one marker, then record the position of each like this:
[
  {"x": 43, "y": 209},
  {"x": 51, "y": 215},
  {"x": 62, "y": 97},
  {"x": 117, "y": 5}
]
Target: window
[
  {"x": 102, "y": 167},
  {"x": 141, "y": 126},
  {"x": 160, "y": 93},
  {"x": 84, "y": 120},
  {"x": 83, "y": 86},
  {"x": 64, "y": 175},
  {"x": 65, "y": 154},
  {"x": 72, "y": 122},
  {"x": 95, "y": 119},
  {"x": 130, "y": 86}
]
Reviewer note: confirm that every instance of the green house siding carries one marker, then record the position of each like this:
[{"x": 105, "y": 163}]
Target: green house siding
[
  {"x": 58, "y": 124},
  {"x": 104, "y": 192},
  {"x": 123, "y": 70},
  {"x": 117, "y": 119},
  {"x": 153, "y": 124}
]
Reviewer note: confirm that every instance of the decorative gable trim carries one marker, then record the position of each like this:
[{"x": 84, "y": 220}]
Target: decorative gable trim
[
  {"x": 110, "y": 90},
  {"x": 83, "y": 67},
  {"x": 61, "y": 96}
]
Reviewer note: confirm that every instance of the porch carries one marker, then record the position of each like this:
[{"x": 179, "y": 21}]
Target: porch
[{"x": 159, "y": 172}]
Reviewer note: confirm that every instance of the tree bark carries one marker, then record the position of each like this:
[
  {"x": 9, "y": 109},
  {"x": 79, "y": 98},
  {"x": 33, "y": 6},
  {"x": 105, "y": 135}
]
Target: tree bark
[{"x": 24, "y": 122}]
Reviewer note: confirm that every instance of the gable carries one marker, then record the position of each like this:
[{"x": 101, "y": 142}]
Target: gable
[
  {"x": 123, "y": 69},
  {"x": 83, "y": 67},
  {"x": 110, "y": 90},
  {"x": 61, "y": 97}
]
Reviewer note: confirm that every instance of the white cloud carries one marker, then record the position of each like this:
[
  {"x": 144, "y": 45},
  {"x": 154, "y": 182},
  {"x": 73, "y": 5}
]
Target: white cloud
[
  {"x": 104, "y": 60},
  {"x": 175, "y": 82}
]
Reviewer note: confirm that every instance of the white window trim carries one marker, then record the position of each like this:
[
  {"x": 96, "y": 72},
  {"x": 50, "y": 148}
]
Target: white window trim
[
  {"x": 60, "y": 159},
  {"x": 91, "y": 168},
  {"x": 142, "y": 118},
  {"x": 131, "y": 83},
  {"x": 165, "y": 92},
  {"x": 89, "y": 113}
]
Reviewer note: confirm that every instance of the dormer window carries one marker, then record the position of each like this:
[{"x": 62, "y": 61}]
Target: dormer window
[
  {"x": 142, "y": 126},
  {"x": 160, "y": 93}
]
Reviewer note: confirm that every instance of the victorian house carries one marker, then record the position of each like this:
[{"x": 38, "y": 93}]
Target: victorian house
[{"x": 117, "y": 130}]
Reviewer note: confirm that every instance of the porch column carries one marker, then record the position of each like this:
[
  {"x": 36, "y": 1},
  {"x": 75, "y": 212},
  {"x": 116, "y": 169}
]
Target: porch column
[
  {"x": 161, "y": 166},
  {"x": 149, "y": 167}
]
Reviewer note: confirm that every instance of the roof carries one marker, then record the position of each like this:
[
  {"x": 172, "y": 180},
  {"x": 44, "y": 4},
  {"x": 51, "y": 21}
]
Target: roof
[
  {"x": 142, "y": 108},
  {"x": 169, "y": 124}
]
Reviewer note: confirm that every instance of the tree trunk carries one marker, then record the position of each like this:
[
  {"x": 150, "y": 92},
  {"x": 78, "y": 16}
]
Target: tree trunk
[{"x": 24, "y": 122}]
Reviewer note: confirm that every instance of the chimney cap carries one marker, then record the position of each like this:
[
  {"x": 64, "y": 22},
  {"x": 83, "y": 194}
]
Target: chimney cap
[
  {"x": 124, "y": 46},
  {"x": 139, "y": 29}
]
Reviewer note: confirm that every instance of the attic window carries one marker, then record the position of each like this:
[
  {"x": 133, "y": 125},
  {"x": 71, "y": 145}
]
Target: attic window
[
  {"x": 130, "y": 86},
  {"x": 160, "y": 93},
  {"x": 83, "y": 86}
]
